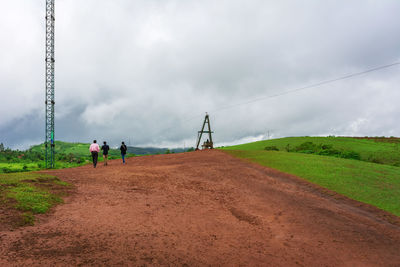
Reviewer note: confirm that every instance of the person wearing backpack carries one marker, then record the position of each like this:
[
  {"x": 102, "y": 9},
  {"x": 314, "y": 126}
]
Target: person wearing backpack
[
  {"x": 123, "y": 149},
  {"x": 105, "y": 149}
]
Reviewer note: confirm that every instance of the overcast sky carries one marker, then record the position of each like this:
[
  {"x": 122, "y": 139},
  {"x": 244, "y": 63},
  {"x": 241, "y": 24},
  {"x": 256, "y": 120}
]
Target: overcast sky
[{"x": 145, "y": 72}]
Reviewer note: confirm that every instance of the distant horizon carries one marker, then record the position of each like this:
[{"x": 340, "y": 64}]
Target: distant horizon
[{"x": 188, "y": 147}]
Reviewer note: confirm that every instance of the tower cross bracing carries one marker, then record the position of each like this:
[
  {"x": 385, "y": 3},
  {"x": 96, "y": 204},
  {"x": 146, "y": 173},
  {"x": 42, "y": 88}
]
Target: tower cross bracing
[{"x": 49, "y": 139}]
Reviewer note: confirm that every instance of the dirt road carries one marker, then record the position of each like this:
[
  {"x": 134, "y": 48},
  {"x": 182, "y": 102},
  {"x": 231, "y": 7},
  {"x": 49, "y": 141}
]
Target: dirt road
[{"x": 200, "y": 208}]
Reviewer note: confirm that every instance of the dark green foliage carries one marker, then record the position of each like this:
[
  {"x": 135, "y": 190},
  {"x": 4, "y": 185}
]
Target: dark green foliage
[
  {"x": 6, "y": 170},
  {"x": 375, "y": 159},
  {"x": 307, "y": 147},
  {"x": 287, "y": 148},
  {"x": 325, "y": 150},
  {"x": 271, "y": 148},
  {"x": 16, "y": 156},
  {"x": 350, "y": 155}
]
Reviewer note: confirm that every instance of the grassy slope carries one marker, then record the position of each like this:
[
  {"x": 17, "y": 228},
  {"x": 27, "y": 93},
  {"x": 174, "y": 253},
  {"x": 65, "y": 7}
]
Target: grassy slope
[
  {"x": 29, "y": 193},
  {"x": 376, "y": 184},
  {"x": 370, "y": 150},
  {"x": 79, "y": 149}
]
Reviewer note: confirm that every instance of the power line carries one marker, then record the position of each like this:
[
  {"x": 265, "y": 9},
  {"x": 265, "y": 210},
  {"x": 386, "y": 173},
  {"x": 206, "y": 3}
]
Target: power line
[{"x": 348, "y": 76}]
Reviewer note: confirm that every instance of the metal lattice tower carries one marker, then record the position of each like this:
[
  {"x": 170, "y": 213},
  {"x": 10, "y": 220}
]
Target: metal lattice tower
[{"x": 49, "y": 142}]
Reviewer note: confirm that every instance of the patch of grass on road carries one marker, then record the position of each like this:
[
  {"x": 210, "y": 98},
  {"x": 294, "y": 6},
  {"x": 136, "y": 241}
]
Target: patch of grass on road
[
  {"x": 375, "y": 184},
  {"x": 29, "y": 194}
]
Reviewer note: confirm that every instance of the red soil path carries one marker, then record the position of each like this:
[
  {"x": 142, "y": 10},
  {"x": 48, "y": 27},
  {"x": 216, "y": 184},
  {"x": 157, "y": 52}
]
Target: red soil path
[{"x": 200, "y": 208}]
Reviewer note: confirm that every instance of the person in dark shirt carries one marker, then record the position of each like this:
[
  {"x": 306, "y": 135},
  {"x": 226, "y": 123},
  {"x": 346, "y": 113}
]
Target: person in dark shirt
[
  {"x": 105, "y": 149},
  {"x": 123, "y": 149}
]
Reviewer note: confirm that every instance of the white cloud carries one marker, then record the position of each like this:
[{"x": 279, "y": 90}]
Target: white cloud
[{"x": 140, "y": 68}]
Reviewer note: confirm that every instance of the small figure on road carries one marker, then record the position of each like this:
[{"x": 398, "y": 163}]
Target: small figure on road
[
  {"x": 94, "y": 149},
  {"x": 105, "y": 149},
  {"x": 123, "y": 149}
]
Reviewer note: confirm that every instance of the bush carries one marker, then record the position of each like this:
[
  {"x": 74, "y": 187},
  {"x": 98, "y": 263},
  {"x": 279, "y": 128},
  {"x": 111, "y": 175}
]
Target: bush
[
  {"x": 6, "y": 170},
  {"x": 350, "y": 155},
  {"x": 329, "y": 152},
  {"x": 325, "y": 147},
  {"x": 271, "y": 148},
  {"x": 374, "y": 159},
  {"x": 306, "y": 147},
  {"x": 287, "y": 148},
  {"x": 325, "y": 150}
]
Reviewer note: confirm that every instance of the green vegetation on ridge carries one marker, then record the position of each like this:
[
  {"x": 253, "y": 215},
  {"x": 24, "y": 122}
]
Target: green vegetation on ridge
[
  {"x": 377, "y": 150},
  {"x": 375, "y": 184},
  {"x": 66, "y": 154}
]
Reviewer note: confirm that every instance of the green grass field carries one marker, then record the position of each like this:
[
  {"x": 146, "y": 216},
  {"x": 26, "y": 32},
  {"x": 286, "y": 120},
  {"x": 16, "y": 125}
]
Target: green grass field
[
  {"x": 78, "y": 149},
  {"x": 16, "y": 167},
  {"x": 27, "y": 167},
  {"x": 372, "y": 183},
  {"x": 67, "y": 155},
  {"x": 29, "y": 194},
  {"x": 383, "y": 152}
]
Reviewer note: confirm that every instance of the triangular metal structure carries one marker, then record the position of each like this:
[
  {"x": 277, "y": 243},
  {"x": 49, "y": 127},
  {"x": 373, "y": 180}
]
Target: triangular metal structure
[{"x": 209, "y": 143}]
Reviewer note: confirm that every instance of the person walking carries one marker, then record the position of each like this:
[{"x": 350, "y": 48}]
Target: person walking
[
  {"x": 123, "y": 149},
  {"x": 94, "y": 149},
  {"x": 105, "y": 149}
]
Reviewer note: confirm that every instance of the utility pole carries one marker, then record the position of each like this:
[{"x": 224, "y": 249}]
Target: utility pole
[{"x": 49, "y": 141}]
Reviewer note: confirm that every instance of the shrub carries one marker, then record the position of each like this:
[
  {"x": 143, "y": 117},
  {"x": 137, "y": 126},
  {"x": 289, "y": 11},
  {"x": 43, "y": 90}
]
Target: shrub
[
  {"x": 350, "y": 155},
  {"x": 329, "y": 152},
  {"x": 6, "y": 170},
  {"x": 287, "y": 148},
  {"x": 271, "y": 148},
  {"x": 306, "y": 147},
  {"x": 325, "y": 147},
  {"x": 374, "y": 159}
]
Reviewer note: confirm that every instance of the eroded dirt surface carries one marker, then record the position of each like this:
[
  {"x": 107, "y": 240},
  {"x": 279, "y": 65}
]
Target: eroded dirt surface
[{"x": 200, "y": 208}]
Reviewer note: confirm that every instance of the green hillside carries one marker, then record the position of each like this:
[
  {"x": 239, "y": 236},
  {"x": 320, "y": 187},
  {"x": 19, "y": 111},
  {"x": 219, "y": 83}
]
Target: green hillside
[
  {"x": 377, "y": 150},
  {"x": 372, "y": 183},
  {"x": 77, "y": 149},
  {"x": 66, "y": 155}
]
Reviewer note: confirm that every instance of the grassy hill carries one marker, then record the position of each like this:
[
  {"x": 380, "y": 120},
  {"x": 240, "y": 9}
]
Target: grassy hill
[
  {"x": 372, "y": 183},
  {"x": 77, "y": 149},
  {"x": 66, "y": 155},
  {"x": 377, "y": 150}
]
